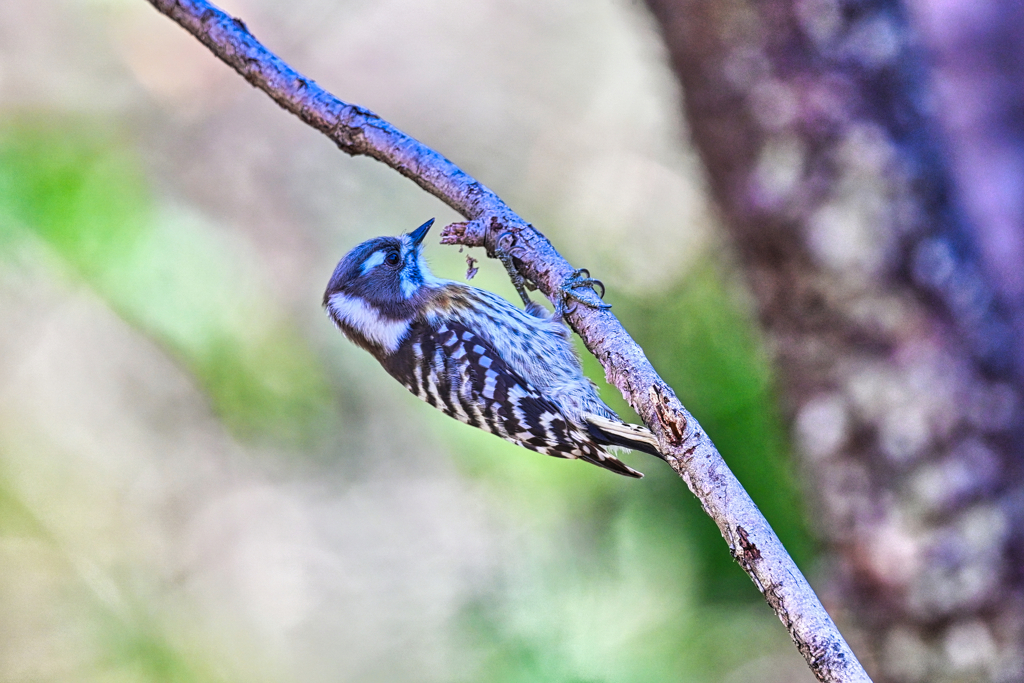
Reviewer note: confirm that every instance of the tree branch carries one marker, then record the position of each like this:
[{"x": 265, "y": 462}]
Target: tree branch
[{"x": 687, "y": 447}]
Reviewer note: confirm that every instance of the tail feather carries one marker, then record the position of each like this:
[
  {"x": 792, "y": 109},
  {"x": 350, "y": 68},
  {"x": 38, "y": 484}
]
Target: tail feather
[
  {"x": 616, "y": 433},
  {"x": 610, "y": 462}
]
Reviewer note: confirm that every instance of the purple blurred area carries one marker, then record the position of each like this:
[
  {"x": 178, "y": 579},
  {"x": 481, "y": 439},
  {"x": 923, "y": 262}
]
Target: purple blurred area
[{"x": 976, "y": 55}]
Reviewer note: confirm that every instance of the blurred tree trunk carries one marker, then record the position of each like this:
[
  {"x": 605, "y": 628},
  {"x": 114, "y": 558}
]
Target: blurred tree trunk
[
  {"x": 977, "y": 60},
  {"x": 897, "y": 357}
]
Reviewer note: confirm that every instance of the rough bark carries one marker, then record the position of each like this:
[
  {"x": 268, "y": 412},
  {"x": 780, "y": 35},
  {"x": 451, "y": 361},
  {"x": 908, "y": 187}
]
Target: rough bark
[
  {"x": 686, "y": 446},
  {"x": 897, "y": 359}
]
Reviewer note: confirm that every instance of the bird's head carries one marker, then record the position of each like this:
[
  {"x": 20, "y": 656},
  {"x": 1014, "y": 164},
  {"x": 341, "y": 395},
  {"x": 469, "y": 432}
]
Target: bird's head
[{"x": 373, "y": 293}]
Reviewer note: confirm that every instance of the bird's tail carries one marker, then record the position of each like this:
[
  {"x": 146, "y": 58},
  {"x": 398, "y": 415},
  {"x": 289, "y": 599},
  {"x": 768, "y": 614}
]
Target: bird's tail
[
  {"x": 617, "y": 433},
  {"x": 610, "y": 462}
]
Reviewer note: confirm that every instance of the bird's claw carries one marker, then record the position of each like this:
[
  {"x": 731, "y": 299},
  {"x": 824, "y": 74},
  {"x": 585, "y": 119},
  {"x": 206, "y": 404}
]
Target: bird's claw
[
  {"x": 581, "y": 278},
  {"x": 575, "y": 288}
]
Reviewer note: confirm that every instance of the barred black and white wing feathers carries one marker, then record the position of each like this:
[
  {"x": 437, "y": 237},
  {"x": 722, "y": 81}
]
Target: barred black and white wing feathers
[{"x": 455, "y": 370}]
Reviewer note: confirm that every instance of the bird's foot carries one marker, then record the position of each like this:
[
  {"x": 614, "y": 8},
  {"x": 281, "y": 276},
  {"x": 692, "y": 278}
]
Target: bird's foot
[{"x": 581, "y": 288}]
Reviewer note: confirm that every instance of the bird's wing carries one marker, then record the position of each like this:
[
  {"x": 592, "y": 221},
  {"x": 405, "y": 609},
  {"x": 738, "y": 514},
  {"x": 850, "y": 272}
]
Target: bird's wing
[{"x": 479, "y": 388}]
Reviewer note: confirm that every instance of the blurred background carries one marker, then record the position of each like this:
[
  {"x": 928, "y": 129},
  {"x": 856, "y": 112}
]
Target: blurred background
[{"x": 200, "y": 479}]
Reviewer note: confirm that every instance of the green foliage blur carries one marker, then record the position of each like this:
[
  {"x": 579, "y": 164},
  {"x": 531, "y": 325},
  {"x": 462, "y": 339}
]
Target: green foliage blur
[{"x": 80, "y": 190}]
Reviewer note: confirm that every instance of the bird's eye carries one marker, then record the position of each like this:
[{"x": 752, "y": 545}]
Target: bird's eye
[{"x": 392, "y": 259}]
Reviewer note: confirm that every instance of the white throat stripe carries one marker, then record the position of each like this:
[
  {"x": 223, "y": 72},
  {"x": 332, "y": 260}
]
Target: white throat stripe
[
  {"x": 408, "y": 286},
  {"x": 358, "y": 315},
  {"x": 428, "y": 278}
]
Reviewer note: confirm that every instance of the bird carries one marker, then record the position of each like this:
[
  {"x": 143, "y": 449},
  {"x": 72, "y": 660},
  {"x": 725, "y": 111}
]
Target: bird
[{"x": 475, "y": 356}]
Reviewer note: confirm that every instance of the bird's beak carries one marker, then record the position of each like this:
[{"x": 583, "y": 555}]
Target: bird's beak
[{"x": 417, "y": 235}]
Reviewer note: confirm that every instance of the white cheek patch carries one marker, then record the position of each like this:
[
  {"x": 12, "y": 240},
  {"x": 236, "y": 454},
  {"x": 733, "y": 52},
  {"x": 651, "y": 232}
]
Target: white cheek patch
[
  {"x": 368, "y": 321},
  {"x": 376, "y": 258}
]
